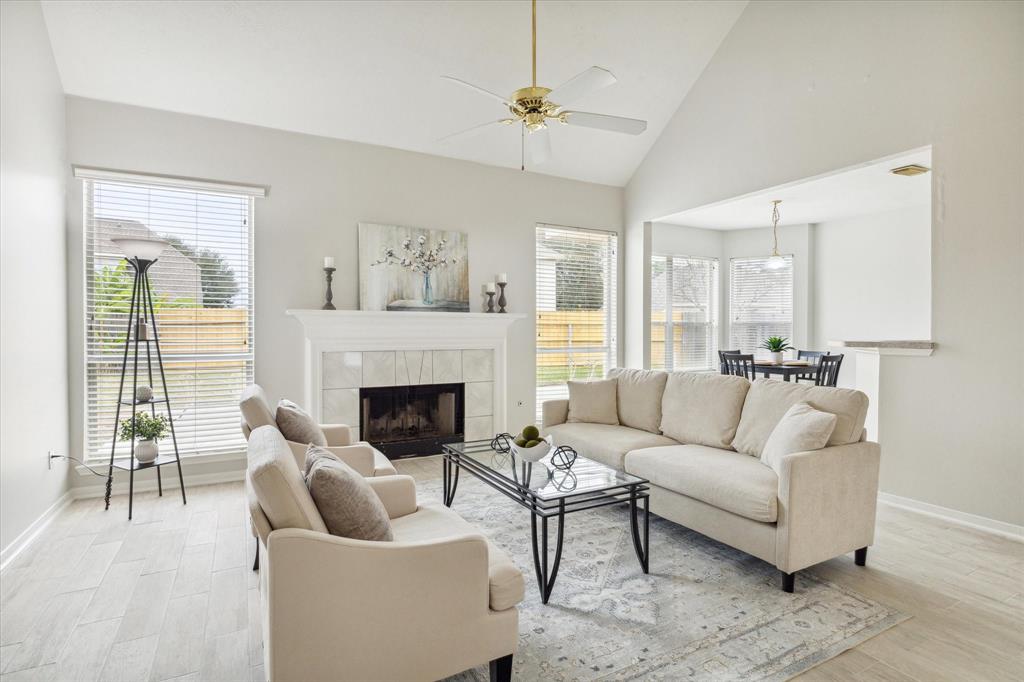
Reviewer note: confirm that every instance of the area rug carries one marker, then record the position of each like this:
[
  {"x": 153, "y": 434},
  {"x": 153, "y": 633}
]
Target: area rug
[{"x": 705, "y": 611}]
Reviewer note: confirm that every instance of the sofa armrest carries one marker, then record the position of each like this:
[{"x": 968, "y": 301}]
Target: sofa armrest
[
  {"x": 358, "y": 456},
  {"x": 827, "y": 503},
  {"x": 398, "y": 493},
  {"x": 331, "y": 600},
  {"x": 554, "y": 412},
  {"x": 337, "y": 434}
]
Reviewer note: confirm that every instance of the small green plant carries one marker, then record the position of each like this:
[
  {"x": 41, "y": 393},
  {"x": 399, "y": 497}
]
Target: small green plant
[
  {"x": 146, "y": 427},
  {"x": 776, "y": 344}
]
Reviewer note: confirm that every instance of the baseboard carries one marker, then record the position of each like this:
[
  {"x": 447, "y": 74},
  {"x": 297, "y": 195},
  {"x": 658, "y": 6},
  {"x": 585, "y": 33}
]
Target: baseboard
[
  {"x": 35, "y": 528},
  {"x": 83, "y": 492},
  {"x": 982, "y": 523}
]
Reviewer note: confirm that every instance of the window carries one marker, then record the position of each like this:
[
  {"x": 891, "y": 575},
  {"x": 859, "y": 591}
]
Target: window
[
  {"x": 760, "y": 302},
  {"x": 203, "y": 296},
  {"x": 576, "y": 300},
  {"x": 684, "y": 313}
]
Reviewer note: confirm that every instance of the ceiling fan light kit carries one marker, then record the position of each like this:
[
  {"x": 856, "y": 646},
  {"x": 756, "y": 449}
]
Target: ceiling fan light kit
[{"x": 533, "y": 107}]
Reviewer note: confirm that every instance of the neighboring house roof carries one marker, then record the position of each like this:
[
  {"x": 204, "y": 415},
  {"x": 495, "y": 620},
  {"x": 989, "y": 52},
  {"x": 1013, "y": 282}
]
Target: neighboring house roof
[{"x": 173, "y": 276}]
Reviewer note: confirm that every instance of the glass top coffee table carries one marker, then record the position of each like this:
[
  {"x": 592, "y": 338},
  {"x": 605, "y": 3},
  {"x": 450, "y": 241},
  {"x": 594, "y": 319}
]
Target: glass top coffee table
[{"x": 549, "y": 492}]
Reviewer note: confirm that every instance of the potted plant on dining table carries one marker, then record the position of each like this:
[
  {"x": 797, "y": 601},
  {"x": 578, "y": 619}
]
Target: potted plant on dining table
[{"x": 776, "y": 345}]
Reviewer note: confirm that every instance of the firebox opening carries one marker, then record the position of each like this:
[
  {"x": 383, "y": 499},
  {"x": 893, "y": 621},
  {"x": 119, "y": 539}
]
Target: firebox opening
[{"x": 404, "y": 421}]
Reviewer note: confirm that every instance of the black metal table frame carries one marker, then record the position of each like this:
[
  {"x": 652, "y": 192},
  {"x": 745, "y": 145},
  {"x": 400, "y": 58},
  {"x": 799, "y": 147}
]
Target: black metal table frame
[{"x": 626, "y": 493}]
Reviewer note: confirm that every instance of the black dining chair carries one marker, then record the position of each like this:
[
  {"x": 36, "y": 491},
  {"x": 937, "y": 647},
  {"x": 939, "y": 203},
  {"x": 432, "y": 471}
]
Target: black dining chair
[
  {"x": 828, "y": 370},
  {"x": 813, "y": 356},
  {"x": 739, "y": 365},
  {"x": 721, "y": 359}
]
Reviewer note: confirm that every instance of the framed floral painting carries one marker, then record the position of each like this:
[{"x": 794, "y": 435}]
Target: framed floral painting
[{"x": 412, "y": 268}]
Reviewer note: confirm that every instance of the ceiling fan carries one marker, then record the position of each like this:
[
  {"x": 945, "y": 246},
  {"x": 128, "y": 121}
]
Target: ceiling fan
[{"x": 533, "y": 107}]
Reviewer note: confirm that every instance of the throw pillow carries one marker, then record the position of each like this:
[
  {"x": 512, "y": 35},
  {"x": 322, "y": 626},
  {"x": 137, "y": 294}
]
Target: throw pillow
[
  {"x": 315, "y": 453},
  {"x": 297, "y": 426},
  {"x": 346, "y": 502},
  {"x": 639, "y": 397},
  {"x": 802, "y": 428},
  {"x": 702, "y": 408},
  {"x": 593, "y": 402}
]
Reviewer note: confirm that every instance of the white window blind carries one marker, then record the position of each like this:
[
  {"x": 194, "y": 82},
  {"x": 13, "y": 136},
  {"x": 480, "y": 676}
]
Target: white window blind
[
  {"x": 203, "y": 295},
  {"x": 760, "y": 302},
  {"x": 684, "y": 313},
  {"x": 576, "y": 301}
]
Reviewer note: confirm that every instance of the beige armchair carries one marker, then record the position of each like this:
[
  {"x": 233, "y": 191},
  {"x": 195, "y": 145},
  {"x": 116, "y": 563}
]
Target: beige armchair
[{"x": 437, "y": 600}]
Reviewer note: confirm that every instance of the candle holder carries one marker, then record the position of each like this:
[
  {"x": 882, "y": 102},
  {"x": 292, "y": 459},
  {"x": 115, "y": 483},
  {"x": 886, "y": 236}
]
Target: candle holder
[
  {"x": 501, "y": 297},
  {"x": 329, "y": 305},
  {"x": 490, "y": 301}
]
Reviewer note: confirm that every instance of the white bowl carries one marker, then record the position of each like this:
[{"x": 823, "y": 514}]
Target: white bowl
[{"x": 534, "y": 454}]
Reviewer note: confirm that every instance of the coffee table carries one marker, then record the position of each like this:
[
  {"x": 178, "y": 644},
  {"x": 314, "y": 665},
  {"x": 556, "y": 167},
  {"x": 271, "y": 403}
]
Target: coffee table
[{"x": 547, "y": 492}]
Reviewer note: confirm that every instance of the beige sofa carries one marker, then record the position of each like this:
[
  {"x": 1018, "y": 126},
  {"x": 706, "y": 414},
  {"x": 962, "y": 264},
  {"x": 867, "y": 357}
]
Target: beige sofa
[
  {"x": 698, "y": 438},
  {"x": 437, "y": 600}
]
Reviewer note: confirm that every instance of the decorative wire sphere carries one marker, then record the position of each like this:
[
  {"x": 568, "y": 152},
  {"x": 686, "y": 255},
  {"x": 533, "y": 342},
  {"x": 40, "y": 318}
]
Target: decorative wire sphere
[
  {"x": 502, "y": 443},
  {"x": 564, "y": 481},
  {"x": 563, "y": 457}
]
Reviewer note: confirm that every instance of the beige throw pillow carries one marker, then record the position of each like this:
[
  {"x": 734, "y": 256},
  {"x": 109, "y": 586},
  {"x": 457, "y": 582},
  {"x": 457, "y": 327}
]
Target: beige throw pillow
[
  {"x": 297, "y": 426},
  {"x": 593, "y": 402},
  {"x": 639, "y": 397},
  {"x": 346, "y": 502},
  {"x": 801, "y": 429}
]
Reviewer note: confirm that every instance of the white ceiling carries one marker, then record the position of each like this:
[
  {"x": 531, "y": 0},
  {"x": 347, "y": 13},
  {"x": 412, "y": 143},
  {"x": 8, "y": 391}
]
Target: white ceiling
[
  {"x": 369, "y": 71},
  {"x": 863, "y": 190}
]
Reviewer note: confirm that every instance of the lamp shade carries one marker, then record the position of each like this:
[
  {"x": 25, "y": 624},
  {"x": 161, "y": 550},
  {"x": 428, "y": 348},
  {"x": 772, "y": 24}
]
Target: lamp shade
[{"x": 139, "y": 247}]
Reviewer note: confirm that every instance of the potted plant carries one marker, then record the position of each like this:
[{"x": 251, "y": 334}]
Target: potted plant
[
  {"x": 776, "y": 345},
  {"x": 147, "y": 431}
]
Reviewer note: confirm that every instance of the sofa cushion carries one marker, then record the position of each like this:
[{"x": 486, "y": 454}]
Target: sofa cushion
[
  {"x": 801, "y": 429},
  {"x": 722, "y": 478},
  {"x": 297, "y": 426},
  {"x": 605, "y": 443},
  {"x": 278, "y": 483},
  {"x": 593, "y": 402},
  {"x": 767, "y": 401},
  {"x": 702, "y": 408},
  {"x": 346, "y": 502},
  {"x": 638, "y": 397},
  {"x": 432, "y": 521},
  {"x": 255, "y": 408}
]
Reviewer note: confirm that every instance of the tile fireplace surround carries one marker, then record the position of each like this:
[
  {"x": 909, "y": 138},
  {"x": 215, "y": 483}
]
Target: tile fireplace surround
[{"x": 350, "y": 349}]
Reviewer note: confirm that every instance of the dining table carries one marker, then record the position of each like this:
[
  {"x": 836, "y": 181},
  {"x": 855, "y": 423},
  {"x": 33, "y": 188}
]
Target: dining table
[{"x": 785, "y": 371}]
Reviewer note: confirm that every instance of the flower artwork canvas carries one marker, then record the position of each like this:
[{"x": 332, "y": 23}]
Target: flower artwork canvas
[{"x": 412, "y": 268}]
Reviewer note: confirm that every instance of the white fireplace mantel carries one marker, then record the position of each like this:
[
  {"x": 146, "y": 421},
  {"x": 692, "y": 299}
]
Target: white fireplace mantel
[{"x": 371, "y": 332}]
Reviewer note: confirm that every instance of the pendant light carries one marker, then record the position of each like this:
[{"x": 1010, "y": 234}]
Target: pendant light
[{"x": 775, "y": 261}]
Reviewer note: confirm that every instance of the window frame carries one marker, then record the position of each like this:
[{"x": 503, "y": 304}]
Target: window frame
[{"x": 791, "y": 261}]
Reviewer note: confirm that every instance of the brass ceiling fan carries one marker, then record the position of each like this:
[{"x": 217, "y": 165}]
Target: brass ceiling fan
[{"x": 534, "y": 106}]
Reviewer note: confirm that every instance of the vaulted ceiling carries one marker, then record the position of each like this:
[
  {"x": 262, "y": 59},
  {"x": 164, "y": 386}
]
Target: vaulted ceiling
[{"x": 370, "y": 71}]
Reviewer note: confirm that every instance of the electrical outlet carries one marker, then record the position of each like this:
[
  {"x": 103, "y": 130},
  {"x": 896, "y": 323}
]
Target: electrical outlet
[{"x": 519, "y": 403}]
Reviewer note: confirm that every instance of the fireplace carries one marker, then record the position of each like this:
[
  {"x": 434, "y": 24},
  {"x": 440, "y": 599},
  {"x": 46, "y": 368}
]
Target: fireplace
[{"x": 402, "y": 421}]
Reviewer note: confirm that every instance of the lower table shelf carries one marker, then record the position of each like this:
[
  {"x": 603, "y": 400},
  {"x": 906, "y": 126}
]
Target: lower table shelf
[{"x": 125, "y": 463}]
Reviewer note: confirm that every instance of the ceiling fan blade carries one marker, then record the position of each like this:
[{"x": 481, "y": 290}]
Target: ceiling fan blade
[
  {"x": 616, "y": 124},
  {"x": 488, "y": 93},
  {"x": 474, "y": 131},
  {"x": 538, "y": 146},
  {"x": 589, "y": 81}
]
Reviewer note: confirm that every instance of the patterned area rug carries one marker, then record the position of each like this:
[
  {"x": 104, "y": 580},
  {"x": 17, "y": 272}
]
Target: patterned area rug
[{"x": 705, "y": 611}]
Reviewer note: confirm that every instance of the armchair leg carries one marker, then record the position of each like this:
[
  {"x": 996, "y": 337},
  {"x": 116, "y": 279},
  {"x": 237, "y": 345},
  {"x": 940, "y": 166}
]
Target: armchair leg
[
  {"x": 860, "y": 556},
  {"x": 256, "y": 563},
  {"x": 501, "y": 669},
  {"x": 788, "y": 582}
]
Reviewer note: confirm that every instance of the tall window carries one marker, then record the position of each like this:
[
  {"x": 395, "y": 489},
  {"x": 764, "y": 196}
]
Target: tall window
[
  {"x": 684, "y": 313},
  {"x": 576, "y": 299},
  {"x": 760, "y": 302},
  {"x": 203, "y": 297}
]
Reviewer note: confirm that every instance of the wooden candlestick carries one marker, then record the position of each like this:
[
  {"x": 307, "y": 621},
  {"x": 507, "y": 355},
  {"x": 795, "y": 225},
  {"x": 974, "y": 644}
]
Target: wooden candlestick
[
  {"x": 501, "y": 298},
  {"x": 329, "y": 305}
]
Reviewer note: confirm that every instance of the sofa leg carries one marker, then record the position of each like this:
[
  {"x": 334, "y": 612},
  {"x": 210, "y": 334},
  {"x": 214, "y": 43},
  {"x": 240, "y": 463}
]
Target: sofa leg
[
  {"x": 501, "y": 669},
  {"x": 256, "y": 563},
  {"x": 788, "y": 582},
  {"x": 860, "y": 556}
]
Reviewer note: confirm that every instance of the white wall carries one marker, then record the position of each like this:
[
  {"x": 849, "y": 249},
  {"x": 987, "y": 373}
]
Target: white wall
[
  {"x": 33, "y": 279},
  {"x": 320, "y": 188},
  {"x": 800, "y": 89},
  {"x": 872, "y": 280}
]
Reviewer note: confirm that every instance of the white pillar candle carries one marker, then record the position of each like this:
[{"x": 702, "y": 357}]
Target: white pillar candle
[
  {"x": 489, "y": 287},
  {"x": 328, "y": 261},
  {"x": 503, "y": 278}
]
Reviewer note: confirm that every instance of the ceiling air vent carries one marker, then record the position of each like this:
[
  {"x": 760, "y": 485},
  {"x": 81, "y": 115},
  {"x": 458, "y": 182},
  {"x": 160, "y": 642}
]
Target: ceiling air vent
[{"x": 911, "y": 170}]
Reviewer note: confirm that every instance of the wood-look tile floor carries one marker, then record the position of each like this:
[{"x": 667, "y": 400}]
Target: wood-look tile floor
[{"x": 170, "y": 596}]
